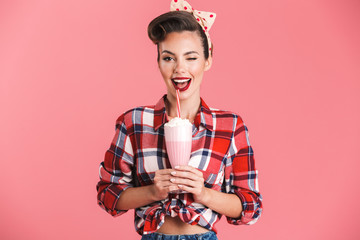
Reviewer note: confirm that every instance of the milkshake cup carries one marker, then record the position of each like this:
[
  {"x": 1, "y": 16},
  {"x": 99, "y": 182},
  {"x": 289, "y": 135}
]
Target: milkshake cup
[{"x": 178, "y": 140}]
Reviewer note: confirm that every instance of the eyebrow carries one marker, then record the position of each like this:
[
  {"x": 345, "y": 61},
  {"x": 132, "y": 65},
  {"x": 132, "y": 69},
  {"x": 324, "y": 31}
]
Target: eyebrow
[{"x": 187, "y": 53}]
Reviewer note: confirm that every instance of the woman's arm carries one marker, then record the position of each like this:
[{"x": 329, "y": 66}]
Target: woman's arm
[
  {"x": 141, "y": 196},
  {"x": 227, "y": 204},
  {"x": 135, "y": 197},
  {"x": 242, "y": 202},
  {"x": 241, "y": 176},
  {"x": 191, "y": 179},
  {"x": 115, "y": 171}
]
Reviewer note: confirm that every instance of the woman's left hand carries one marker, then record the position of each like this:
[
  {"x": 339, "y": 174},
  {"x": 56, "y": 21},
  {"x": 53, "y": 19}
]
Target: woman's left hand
[{"x": 190, "y": 179}]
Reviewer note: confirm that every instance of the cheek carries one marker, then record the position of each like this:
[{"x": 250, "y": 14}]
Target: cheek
[
  {"x": 164, "y": 69},
  {"x": 197, "y": 70}
]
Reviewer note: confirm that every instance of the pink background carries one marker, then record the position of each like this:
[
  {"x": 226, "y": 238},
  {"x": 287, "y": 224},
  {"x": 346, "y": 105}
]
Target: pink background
[{"x": 289, "y": 68}]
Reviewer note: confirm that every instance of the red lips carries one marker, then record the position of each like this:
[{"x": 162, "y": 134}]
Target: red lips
[{"x": 182, "y": 86}]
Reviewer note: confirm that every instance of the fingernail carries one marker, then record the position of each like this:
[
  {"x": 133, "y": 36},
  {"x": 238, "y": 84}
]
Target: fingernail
[
  {"x": 173, "y": 173},
  {"x": 172, "y": 180},
  {"x": 177, "y": 167},
  {"x": 180, "y": 186}
]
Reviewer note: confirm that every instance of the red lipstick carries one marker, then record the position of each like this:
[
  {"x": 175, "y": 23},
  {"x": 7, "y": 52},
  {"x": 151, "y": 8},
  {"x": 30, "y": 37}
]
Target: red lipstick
[{"x": 181, "y": 85}]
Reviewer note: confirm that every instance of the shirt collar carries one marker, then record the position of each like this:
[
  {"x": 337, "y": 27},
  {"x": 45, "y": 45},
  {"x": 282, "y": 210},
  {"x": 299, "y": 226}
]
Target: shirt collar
[{"x": 203, "y": 117}]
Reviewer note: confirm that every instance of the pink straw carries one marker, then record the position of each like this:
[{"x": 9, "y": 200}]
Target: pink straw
[{"x": 178, "y": 103}]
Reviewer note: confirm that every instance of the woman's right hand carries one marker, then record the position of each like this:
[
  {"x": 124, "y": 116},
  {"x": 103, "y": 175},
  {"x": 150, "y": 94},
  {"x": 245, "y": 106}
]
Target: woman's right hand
[{"x": 162, "y": 185}]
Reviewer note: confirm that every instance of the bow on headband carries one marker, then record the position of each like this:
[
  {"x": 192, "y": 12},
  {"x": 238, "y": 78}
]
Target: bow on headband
[{"x": 205, "y": 19}]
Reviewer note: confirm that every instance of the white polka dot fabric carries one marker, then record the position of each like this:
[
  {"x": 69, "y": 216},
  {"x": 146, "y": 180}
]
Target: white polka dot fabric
[{"x": 205, "y": 19}]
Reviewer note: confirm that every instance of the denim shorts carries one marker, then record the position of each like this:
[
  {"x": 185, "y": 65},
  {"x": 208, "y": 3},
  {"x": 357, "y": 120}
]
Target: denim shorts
[{"x": 159, "y": 236}]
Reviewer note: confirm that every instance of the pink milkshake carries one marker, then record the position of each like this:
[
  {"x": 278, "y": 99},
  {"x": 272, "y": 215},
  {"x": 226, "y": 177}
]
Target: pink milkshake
[{"x": 178, "y": 140}]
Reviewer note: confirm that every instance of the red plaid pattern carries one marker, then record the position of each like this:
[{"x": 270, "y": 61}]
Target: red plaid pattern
[{"x": 220, "y": 149}]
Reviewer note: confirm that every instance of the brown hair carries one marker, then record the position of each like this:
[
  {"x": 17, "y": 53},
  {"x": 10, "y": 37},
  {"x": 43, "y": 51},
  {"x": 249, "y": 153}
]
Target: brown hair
[{"x": 176, "y": 21}]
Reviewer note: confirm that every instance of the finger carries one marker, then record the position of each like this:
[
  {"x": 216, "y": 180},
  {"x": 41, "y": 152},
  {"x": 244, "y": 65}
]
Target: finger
[
  {"x": 189, "y": 169},
  {"x": 166, "y": 183},
  {"x": 186, "y": 188},
  {"x": 163, "y": 175},
  {"x": 166, "y": 171},
  {"x": 184, "y": 181},
  {"x": 163, "y": 178},
  {"x": 173, "y": 188},
  {"x": 188, "y": 175}
]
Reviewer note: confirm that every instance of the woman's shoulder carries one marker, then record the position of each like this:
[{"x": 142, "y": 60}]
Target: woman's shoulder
[
  {"x": 228, "y": 121},
  {"x": 226, "y": 115}
]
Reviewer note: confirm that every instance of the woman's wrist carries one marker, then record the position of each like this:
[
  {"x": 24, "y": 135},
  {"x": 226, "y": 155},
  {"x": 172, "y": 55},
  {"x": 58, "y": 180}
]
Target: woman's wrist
[
  {"x": 135, "y": 197},
  {"x": 206, "y": 196},
  {"x": 152, "y": 193},
  {"x": 224, "y": 203}
]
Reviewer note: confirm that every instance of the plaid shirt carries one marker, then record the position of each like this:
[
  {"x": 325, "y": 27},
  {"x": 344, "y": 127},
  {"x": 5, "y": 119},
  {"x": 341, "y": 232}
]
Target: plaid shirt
[{"x": 220, "y": 149}]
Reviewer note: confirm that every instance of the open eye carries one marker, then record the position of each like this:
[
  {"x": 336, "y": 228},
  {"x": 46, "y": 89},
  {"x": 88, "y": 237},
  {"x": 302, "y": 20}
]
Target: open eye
[{"x": 167, "y": 59}]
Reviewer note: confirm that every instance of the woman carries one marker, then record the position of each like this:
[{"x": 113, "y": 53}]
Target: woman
[{"x": 220, "y": 179}]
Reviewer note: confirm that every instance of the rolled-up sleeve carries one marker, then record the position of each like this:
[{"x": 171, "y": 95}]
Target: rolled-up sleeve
[
  {"x": 241, "y": 176},
  {"x": 115, "y": 171}
]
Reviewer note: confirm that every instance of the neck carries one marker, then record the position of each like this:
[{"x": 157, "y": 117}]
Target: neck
[{"x": 189, "y": 107}]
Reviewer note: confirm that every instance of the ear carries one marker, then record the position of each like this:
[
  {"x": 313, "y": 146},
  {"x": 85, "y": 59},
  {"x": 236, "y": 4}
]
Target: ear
[{"x": 208, "y": 63}]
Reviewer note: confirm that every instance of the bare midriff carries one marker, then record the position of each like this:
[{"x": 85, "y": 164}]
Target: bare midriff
[{"x": 174, "y": 226}]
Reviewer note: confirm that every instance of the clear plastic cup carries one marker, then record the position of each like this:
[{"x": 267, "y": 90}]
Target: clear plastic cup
[{"x": 178, "y": 140}]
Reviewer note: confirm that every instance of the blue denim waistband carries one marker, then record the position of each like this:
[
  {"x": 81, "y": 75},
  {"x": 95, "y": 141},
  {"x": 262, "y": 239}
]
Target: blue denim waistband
[{"x": 159, "y": 236}]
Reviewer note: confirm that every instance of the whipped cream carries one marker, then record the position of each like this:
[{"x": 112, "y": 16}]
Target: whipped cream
[{"x": 175, "y": 122}]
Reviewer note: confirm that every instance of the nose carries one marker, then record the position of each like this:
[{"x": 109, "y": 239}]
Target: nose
[{"x": 180, "y": 66}]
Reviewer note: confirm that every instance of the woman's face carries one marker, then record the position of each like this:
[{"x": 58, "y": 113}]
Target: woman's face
[{"x": 182, "y": 63}]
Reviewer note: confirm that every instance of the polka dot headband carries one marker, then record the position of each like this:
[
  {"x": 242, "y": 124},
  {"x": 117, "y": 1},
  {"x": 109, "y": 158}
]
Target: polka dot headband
[{"x": 205, "y": 19}]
